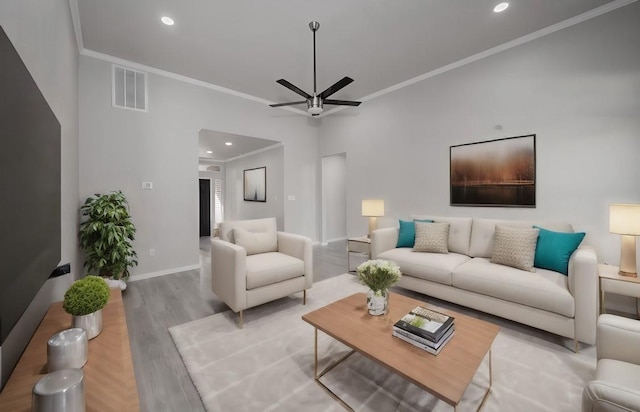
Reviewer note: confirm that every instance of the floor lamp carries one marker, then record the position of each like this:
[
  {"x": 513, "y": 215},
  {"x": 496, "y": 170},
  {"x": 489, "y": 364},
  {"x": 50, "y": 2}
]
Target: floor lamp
[
  {"x": 373, "y": 209},
  {"x": 625, "y": 220}
]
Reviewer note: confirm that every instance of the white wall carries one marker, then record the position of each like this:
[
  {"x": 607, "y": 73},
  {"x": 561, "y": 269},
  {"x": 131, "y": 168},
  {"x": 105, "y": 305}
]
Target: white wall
[
  {"x": 42, "y": 34},
  {"x": 578, "y": 89},
  {"x": 236, "y": 207},
  {"x": 334, "y": 197},
  {"x": 121, "y": 148}
]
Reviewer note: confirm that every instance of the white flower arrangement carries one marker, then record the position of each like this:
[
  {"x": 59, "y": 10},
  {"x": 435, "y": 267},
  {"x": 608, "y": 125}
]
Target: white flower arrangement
[{"x": 379, "y": 274}]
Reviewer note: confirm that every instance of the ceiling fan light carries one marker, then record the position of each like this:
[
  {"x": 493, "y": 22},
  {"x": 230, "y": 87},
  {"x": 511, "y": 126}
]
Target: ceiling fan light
[{"x": 314, "y": 105}]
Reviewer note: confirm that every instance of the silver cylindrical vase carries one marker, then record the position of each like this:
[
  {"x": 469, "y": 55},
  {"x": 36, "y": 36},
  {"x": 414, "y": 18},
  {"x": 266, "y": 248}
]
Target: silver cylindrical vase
[
  {"x": 61, "y": 390},
  {"x": 67, "y": 350},
  {"x": 92, "y": 323}
]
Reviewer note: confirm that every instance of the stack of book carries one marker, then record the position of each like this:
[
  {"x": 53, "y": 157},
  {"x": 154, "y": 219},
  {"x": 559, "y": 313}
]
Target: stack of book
[{"x": 425, "y": 328}]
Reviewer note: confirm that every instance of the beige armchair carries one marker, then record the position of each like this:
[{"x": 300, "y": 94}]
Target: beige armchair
[
  {"x": 252, "y": 263},
  {"x": 617, "y": 383}
]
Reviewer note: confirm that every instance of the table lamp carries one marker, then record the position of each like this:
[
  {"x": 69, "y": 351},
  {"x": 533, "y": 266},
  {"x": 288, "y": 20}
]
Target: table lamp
[
  {"x": 625, "y": 220},
  {"x": 372, "y": 208}
]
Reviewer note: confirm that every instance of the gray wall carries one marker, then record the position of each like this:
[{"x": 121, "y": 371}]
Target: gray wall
[
  {"x": 578, "y": 89},
  {"x": 42, "y": 33},
  {"x": 236, "y": 208},
  {"x": 119, "y": 149}
]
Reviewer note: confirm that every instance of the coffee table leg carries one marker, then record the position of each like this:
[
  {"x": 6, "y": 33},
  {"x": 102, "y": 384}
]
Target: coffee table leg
[
  {"x": 327, "y": 369},
  {"x": 486, "y": 395}
]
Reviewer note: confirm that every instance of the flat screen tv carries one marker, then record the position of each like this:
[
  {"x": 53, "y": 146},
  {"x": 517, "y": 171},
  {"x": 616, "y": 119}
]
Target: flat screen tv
[{"x": 30, "y": 185}]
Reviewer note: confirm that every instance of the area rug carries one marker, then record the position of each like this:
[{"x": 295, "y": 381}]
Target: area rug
[{"x": 268, "y": 365}]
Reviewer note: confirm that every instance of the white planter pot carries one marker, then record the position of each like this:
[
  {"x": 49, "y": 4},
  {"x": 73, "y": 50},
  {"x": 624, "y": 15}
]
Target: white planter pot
[{"x": 92, "y": 323}]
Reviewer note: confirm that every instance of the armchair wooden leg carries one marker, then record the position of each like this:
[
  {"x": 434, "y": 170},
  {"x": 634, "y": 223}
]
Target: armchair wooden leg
[
  {"x": 240, "y": 324},
  {"x": 576, "y": 345},
  {"x": 304, "y": 297}
]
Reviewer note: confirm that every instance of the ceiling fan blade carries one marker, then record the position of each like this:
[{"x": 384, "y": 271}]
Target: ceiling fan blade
[
  {"x": 294, "y": 88},
  {"x": 342, "y": 102},
  {"x": 287, "y": 104},
  {"x": 337, "y": 86}
]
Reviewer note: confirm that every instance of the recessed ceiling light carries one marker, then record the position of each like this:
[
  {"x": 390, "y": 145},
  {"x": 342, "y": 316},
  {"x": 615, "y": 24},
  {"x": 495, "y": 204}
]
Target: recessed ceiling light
[
  {"x": 167, "y": 20},
  {"x": 228, "y": 143},
  {"x": 501, "y": 7},
  {"x": 209, "y": 152}
]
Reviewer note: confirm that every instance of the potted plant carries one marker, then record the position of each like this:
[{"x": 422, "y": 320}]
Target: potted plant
[
  {"x": 106, "y": 235},
  {"x": 379, "y": 275},
  {"x": 84, "y": 301}
]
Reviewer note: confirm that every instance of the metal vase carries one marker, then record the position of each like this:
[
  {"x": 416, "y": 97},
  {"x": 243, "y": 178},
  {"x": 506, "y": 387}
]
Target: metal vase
[{"x": 92, "y": 323}]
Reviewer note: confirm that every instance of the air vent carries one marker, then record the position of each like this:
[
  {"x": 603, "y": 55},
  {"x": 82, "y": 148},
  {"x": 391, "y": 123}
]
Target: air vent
[
  {"x": 129, "y": 89},
  {"x": 213, "y": 168}
]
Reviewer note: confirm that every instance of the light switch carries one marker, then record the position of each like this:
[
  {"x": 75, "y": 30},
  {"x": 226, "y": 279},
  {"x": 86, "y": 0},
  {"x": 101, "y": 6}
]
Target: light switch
[
  {"x": 291, "y": 197},
  {"x": 147, "y": 185}
]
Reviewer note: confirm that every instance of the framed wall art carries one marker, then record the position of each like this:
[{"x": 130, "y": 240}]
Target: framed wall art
[
  {"x": 498, "y": 172},
  {"x": 255, "y": 184}
]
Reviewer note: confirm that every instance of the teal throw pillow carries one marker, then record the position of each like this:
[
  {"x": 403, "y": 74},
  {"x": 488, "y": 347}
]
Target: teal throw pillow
[
  {"x": 407, "y": 232},
  {"x": 554, "y": 249}
]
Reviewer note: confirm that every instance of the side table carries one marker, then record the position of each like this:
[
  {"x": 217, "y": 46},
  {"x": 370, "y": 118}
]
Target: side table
[
  {"x": 361, "y": 245},
  {"x": 612, "y": 282}
]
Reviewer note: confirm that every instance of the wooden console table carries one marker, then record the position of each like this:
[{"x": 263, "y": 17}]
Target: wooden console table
[{"x": 110, "y": 384}]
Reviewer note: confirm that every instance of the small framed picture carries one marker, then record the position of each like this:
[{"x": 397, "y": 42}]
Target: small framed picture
[{"x": 255, "y": 184}]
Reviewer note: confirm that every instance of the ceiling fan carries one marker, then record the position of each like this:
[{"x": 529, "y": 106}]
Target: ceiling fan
[{"x": 316, "y": 101}]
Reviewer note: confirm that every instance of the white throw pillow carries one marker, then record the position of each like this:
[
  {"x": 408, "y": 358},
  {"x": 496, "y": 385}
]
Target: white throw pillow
[
  {"x": 515, "y": 247},
  {"x": 431, "y": 237},
  {"x": 255, "y": 243}
]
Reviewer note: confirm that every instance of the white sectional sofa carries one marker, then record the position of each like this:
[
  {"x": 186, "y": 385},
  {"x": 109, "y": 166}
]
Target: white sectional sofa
[{"x": 545, "y": 299}]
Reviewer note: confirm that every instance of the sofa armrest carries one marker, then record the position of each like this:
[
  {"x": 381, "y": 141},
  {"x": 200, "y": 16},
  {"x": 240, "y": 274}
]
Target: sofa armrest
[
  {"x": 383, "y": 240},
  {"x": 601, "y": 396},
  {"x": 299, "y": 247},
  {"x": 618, "y": 339},
  {"x": 229, "y": 273},
  {"x": 583, "y": 285}
]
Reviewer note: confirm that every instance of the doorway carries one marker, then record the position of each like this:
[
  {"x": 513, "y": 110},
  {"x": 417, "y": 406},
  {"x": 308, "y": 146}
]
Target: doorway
[
  {"x": 205, "y": 207},
  {"x": 334, "y": 198}
]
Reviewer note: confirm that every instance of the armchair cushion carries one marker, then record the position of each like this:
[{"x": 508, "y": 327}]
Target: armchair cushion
[
  {"x": 618, "y": 338},
  {"x": 273, "y": 267},
  {"x": 255, "y": 243}
]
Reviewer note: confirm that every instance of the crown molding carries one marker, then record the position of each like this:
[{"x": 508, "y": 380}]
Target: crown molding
[{"x": 77, "y": 28}]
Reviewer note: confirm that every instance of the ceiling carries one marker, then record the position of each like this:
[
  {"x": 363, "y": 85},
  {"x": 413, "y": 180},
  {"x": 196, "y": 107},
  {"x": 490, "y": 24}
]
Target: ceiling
[
  {"x": 216, "y": 142},
  {"x": 246, "y": 45}
]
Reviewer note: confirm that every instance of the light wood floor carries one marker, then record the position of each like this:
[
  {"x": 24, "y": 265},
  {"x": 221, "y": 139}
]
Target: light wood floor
[{"x": 154, "y": 305}]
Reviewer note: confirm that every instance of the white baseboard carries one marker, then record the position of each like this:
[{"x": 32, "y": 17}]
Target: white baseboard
[{"x": 162, "y": 273}]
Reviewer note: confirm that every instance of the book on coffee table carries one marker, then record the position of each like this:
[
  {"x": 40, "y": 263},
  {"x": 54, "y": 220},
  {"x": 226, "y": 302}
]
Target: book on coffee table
[
  {"x": 421, "y": 340},
  {"x": 428, "y": 348},
  {"x": 425, "y": 323}
]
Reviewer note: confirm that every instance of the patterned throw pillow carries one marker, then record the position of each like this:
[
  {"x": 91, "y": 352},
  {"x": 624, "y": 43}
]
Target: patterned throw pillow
[
  {"x": 515, "y": 247},
  {"x": 431, "y": 237}
]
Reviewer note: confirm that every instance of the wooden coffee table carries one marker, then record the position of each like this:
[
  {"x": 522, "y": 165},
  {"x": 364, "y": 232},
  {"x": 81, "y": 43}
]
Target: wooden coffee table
[{"x": 446, "y": 375}]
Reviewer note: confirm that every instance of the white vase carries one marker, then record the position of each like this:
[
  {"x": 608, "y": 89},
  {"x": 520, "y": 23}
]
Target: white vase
[
  {"x": 377, "y": 302},
  {"x": 92, "y": 323}
]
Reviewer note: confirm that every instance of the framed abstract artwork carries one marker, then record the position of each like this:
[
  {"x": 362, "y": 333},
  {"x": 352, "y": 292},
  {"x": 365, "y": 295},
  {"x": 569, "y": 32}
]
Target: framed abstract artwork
[
  {"x": 498, "y": 172},
  {"x": 255, "y": 184}
]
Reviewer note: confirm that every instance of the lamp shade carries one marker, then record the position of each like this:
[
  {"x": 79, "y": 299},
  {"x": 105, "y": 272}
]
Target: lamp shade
[
  {"x": 373, "y": 207},
  {"x": 624, "y": 219}
]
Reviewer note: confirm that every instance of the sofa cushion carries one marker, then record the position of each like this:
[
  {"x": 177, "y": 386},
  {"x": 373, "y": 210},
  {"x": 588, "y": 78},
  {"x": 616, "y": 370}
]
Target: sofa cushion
[
  {"x": 407, "y": 232},
  {"x": 459, "y": 231},
  {"x": 515, "y": 247},
  {"x": 543, "y": 289},
  {"x": 619, "y": 373},
  {"x": 554, "y": 249},
  {"x": 268, "y": 268},
  {"x": 431, "y": 237},
  {"x": 481, "y": 244},
  {"x": 435, "y": 267},
  {"x": 255, "y": 243}
]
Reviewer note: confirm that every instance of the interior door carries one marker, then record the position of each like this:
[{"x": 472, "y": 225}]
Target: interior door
[{"x": 205, "y": 207}]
